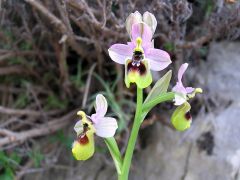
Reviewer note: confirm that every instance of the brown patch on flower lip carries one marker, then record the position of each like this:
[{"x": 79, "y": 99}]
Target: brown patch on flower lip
[
  {"x": 83, "y": 139},
  {"x": 136, "y": 63},
  {"x": 188, "y": 116},
  {"x": 136, "y": 67}
]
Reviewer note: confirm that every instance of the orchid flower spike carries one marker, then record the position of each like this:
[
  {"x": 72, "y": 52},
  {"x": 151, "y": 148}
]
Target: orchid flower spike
[
  {"x": 182, "y": 94},
  {"x": 139, "y": 56},
  {"x": 181, "y": 118},
  {"x": 98, "y": 123}
]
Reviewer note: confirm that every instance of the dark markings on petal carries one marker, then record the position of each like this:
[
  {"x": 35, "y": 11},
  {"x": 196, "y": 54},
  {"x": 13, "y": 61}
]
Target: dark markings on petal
[
  {"x": 188, "y": 116},
  {"x": 135, "y": 64},
  {"x": 83, "y": 139},
  {"x": 136, "y": 67},
  {"x": 85, "y": 127}
]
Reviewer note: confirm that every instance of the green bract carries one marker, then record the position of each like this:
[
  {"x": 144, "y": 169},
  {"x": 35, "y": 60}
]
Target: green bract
[{"x": 159, "y": 88}]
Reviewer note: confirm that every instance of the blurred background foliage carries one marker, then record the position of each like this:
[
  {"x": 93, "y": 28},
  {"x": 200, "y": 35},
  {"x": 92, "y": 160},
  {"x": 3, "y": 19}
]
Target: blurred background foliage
[{"x": 54, "y": 60}]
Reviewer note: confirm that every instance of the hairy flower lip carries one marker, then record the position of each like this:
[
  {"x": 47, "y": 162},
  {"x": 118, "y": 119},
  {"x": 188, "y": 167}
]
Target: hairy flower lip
[
  {"x": 141, "y": 69},
  {"x": 181, "y": 118}
]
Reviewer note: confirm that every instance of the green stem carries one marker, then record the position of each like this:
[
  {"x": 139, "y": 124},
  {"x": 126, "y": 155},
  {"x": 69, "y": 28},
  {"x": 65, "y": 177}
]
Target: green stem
[
  {"x": 115, "y": 153},
  {"x": 169, "y": 96},
  {"x": 133, "y": 137}
]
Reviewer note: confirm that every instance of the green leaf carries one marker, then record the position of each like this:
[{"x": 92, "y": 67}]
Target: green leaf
[
  {"x": 115, "y": 153},
  {"x": 170, "y": 47},
  {"x": 21, "y": 101},
  {"x": 15, "y": 157},
  {"x": 61, "y": 137},
  {"x": 7, "y": 174},
  {"x": 36, "y": 156},
  {"x": 160, "y": 87},
  {"x": 54, "y": 102}
]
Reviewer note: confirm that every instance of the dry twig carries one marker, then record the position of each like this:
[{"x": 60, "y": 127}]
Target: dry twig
[{"x": 48, "y": 128}]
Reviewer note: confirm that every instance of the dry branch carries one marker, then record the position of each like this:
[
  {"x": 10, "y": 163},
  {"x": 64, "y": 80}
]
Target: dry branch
[
  {"x": 15, "y": 69},
  {"x": 26, "y": 112},
  {"x": 6, "y": 54},
  {"x": 59, "y": 25},
  {"x": 48, "y": 128}
]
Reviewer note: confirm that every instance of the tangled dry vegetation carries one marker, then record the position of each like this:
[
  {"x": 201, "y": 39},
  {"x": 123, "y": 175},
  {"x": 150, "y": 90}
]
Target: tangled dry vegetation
[{"x": 53, "y": 53}]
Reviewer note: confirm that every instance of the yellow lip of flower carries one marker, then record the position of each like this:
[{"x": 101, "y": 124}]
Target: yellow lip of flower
[
  {"x": 83, "y": 147},
  {"x": 140, "y": 75},
  {"x": 137, "y": 69},
  {"x": 181, "y": 118}
]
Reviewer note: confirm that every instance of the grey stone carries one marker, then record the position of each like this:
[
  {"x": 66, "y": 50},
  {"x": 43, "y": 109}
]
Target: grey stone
[
  {"x": 183, "y": 156},
  {"x": 221, "y": 72}
]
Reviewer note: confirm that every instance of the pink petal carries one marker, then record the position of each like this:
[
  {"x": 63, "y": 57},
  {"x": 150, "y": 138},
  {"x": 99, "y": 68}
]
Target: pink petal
[
  {"x": 131, "y": 44},
  {"x": 158, "y": 59},
  {"x": 101, "y": 105},
  {"x": 145, "y": 45},
  {"x": 179, "y": 88},
  {"x": 181, "y": 71},
  {"x": 106, "y": 127},
  {"x": 101, "y": 108},
  {"x": 141, "y": 30},
  {"x": 120, "y": 52},
  {"x": 189, "y": 89}
]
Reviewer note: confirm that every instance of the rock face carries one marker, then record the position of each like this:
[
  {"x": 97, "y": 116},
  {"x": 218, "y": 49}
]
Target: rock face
[
  {"x": 221, "y": 72},
  {"x": 210, "y": 150}
]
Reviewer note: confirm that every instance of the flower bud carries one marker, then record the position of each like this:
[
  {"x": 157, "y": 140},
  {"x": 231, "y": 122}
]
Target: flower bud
[{"x": 181, "y": 118}]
